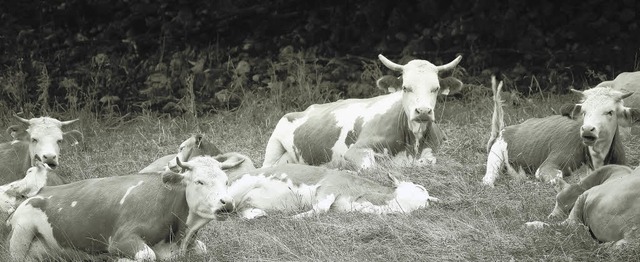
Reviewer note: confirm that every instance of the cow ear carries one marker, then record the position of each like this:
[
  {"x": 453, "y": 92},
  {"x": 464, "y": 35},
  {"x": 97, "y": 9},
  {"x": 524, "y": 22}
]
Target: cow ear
[
  {"x": 229, "y": 161},
  {"x": 198, "y": 138},
  {"x": 73, "y": 137},
  {"x": 389, "y": 83},
  {"x": 18, "y": 132},
  {"x": 172, "y": 178},
  {"x": 629, "y": 116},
  {"x": 570, "y": 110},
  {"x": 450, "y": 86},
  {"x": 393, "y": 179}
]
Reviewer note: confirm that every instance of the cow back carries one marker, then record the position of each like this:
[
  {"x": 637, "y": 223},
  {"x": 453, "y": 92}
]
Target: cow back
[{"x": 85, "y": 214}]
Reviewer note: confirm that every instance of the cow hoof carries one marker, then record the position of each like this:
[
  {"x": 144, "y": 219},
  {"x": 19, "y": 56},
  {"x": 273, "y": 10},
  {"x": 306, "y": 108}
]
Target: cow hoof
[
  {"x": 487, "y": 182},
  {"x": 536, "y": 225},
  {"x": 253, "y": 213},
  {"x": 199, "y": 248}
]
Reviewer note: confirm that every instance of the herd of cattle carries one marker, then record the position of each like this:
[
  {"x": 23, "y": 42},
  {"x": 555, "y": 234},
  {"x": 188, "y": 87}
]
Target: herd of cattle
[{"x": 157, "y": 213}]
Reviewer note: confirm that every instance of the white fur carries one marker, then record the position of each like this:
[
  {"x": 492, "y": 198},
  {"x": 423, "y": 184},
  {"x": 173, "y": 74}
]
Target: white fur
[
  {"x": 25, "y": 222},
  {"x": 497, "y": 157},
  {"x": 129, "y": 191},
  {"x": 283, "y": 137}
]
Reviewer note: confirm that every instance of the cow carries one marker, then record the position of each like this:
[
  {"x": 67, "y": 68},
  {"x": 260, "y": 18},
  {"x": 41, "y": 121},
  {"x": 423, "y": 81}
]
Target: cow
[
  {"x": 291, "y": 187},
  {"x": 626, "y": 82},
  {"x": 609, "y": 210},
  {"x": 143, "y": 216},
  {"x": 358, "y": 130},
  {"x": 193, "y": 146},
  {"x": 198, "y": 146},
  {"x": 568, "y": 193},
  {"x": 585, "y": 133},
  {"x": 41, "y": 138}
]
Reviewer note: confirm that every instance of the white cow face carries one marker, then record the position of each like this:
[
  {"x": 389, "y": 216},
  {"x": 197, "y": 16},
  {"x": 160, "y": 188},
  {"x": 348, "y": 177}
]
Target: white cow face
[
  {"x": 44, "y": 136},
  {"x": 410, "y": 196},
  {"x": 12, "y": 194},
  {"x": 205, "y": 187},
  {"x": 602, "y": 111},
  {"x": 420, "y": 87}
]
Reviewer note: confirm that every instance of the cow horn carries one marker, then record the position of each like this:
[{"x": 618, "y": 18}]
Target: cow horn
[
  {"x": 625, "y": 95},
  {"x": 391, "y": 65},
  {"x": 450, "y": 65},
  {"x": 393, "y": 179},
  {"x": 22, "y": 119},
  {"x": 64, "y": 123},
  {"x": 184, "y": 166}
]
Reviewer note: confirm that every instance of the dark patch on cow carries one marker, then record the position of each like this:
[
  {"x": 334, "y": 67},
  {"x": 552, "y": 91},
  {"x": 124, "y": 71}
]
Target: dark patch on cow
[
  {"x": 38, "y": 203},
  {"x": 352, "y": 135},
  {"x": 315, "y": 138}
]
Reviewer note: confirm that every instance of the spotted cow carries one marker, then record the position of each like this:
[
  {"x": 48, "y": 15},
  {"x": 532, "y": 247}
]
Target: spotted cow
[
  {"x": 606, "y": 203},
  {"x": 292, "y": 187},
  {"x": 143, "y": 217},
  {"x": 198, "y": 146},
  {"x": 41, "y": 138},
  {"x": 358, "y": 130},
  {"x": 586, "y": 133},
  {"x": 193, "y": 146}
]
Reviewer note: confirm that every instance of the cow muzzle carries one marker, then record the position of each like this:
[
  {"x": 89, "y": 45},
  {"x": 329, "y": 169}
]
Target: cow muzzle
[
  {"x": 423, "y": 114},
  {"x": 589, "y": 135},
  {"x": 223, "y": 212},
  {"x": 49, "y": 159}
]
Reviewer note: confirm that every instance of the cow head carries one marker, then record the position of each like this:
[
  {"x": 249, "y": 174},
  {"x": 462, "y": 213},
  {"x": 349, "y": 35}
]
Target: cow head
[
  {"x": 194, "y": 146},
  {"x": 410, "y": 196},
  {"x": 44, "y": 135},
  {"x": 12, "y": 194},
  {"x": 420, "y": 87},
  {"x": 601, "y": 111},
  {"x": 205, "y": 187},
  {"x": 566, "y": 196}
]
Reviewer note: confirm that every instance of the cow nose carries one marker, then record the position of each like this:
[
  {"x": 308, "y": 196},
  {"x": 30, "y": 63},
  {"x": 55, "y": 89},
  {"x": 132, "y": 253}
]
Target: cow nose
[
  {"x": 423, "y": 110},
  {"x": 589, "y": 129}
]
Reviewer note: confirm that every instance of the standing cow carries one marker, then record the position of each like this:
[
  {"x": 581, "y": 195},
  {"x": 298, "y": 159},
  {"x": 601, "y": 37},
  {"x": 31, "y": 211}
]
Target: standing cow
[
  {"x": 357, "y": 130},
  {"x": 144, "y": 217},
  {"x": 587, "y": 133},
  {"x": 41, "y": 137}
]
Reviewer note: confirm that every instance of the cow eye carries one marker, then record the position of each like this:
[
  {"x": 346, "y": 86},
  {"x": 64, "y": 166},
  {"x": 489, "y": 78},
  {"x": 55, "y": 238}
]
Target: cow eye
[
  {"x": 199, "y": 182},
  {"x": 59, "y": 141},
  {"x": 33, "y": 140},
  {"x": 610, "y": 113},
  {"x": 435, "y": 90},
  {"x": 407, "y": 89}
]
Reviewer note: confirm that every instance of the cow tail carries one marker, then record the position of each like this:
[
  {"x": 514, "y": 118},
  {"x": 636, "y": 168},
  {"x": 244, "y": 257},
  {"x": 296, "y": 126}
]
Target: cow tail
[{"x": 497, "y": 120}]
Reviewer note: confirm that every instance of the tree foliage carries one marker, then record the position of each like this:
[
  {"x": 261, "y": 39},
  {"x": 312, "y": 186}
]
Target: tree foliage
[{"x": 180, "y": 56}]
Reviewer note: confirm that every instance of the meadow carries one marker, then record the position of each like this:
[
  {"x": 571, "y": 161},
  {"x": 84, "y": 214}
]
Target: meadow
[{"x": 471, "y": 223}]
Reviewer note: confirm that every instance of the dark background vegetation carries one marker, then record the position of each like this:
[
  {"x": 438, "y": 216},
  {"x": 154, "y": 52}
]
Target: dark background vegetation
[{"x": 118, "y": 56}]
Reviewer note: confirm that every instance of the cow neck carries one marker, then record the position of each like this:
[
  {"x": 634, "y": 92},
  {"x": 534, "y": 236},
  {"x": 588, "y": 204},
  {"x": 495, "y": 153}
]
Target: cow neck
[
  {"x": 176, "y": 199},
  {"x": 411, "y": 132},
  {"x": 602, "y": 152}
]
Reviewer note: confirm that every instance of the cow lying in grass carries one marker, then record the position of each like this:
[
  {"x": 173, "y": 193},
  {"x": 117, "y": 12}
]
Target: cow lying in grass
[
  {"x": 41, "y": 138},
  {"x": 292, "y": 187},
  {"x": 195, "y": 145},
  {"x": 606, "y": 202},
  {"x": 359, "y": 130},
  {"x": 144, "y": 217},
  {"x": 587, "y": 133}
]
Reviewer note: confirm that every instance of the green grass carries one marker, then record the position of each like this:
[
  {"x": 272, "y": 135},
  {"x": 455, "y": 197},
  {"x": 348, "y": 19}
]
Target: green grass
[{"x": 472, "y": 222}]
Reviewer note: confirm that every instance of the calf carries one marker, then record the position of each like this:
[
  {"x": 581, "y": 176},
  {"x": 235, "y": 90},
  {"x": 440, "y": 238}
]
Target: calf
[
  {"x": 43, "y": 136},
  {"x": 291, "y": 187},
  {"x": 559, "y": 144},
  {"x": 144, "y": 217},
  {"x": 359, "y": 130}
]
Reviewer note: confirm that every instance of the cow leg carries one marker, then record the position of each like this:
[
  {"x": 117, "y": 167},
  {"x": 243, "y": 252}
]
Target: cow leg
[
  {"x": 252, "y": 213},
  {"x": 547, "y": 172},
  {"x": 575, "y": 216},
  {"x": 322, "y": 206},
  {"x": 274, "y": 153},
  {"x": 132, "y": 246},
  {"x": 363, "y": 158},
  {"x": 498, "y": 155}
]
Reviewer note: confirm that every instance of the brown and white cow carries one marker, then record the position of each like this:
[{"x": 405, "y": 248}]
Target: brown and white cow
[
  {"x": 198, "y": 146},
  {"x": 144, "y": 217},
  {"x": 626, "y": 82},
  {"x": 358, "y": 130},
  {"x": 43, "y": 136},
  {"x": 193, "y": 146},
  {"x": 610, "y": 210},
  {"x": 587, "y": 133},
  {"x": 292, "y": 187}
]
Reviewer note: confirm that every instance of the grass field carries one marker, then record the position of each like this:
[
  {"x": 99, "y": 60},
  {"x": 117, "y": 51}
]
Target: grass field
[{"x": 472, "y": 222}]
